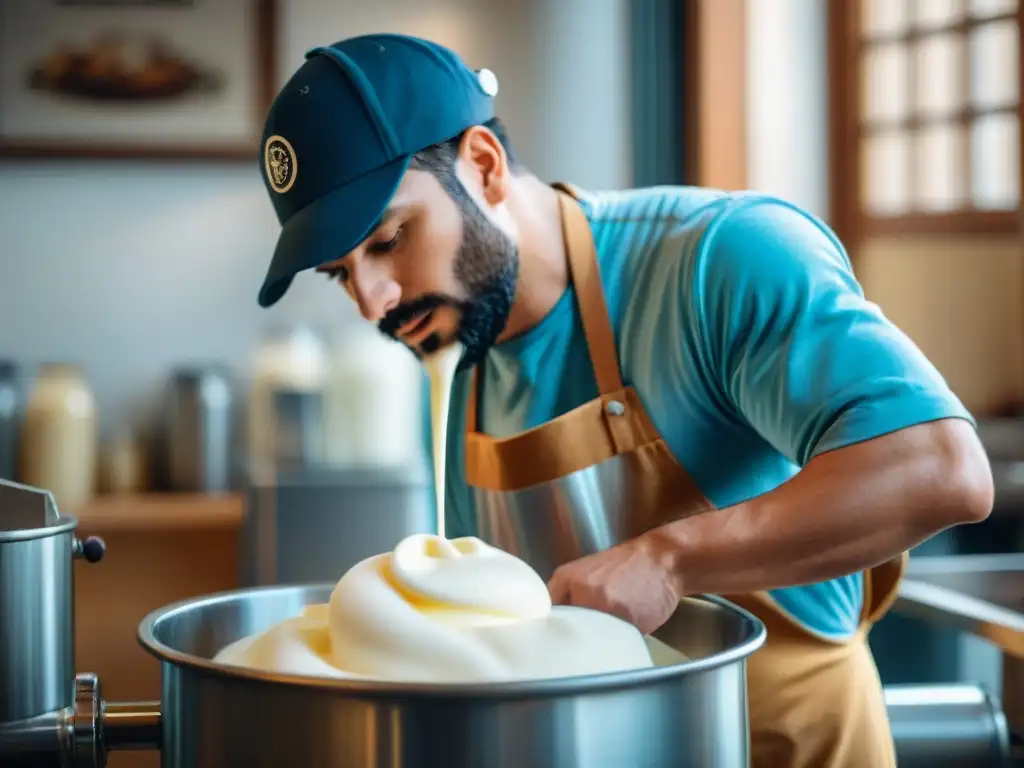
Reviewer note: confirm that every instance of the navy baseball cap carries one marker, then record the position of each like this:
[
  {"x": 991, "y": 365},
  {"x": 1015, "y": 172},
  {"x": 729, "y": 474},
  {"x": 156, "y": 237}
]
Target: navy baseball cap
[{"x": 342, "y": 132}]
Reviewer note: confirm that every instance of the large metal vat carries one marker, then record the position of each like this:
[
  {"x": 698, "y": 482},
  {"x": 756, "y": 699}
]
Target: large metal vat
[{"x": 686, "y": 714}]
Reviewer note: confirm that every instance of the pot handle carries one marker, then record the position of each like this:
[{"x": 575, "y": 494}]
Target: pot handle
[{"x": 92, "y": 549}]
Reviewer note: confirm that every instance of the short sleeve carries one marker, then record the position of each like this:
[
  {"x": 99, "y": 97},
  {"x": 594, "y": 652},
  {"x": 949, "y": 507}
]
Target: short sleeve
[{"x": 792, "y": 345}]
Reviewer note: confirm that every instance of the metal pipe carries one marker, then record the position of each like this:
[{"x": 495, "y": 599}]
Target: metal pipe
[
  {"x": 947, "y": 726},
  {"x": 130, "y": 726},
  {"x": 43, "y": 741}
]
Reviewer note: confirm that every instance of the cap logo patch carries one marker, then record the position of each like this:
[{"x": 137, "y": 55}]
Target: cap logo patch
[{"x": 281, "y": 163}]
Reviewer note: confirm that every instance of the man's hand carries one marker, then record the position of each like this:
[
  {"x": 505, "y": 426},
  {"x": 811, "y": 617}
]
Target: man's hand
[{"x": 633, "y": 581}]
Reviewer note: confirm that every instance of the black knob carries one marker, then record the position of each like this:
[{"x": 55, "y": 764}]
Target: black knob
[{"x": 93, "y": 548}]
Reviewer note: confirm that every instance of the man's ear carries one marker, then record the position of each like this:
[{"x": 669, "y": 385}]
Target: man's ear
[{"x": 483, "y": 162}]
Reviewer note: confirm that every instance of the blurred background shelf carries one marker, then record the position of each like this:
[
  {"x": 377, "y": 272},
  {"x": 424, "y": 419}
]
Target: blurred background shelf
[{"x": 157, "y": 511}]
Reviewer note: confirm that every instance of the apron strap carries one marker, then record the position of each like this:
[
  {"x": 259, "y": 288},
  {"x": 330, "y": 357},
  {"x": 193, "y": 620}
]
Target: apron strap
[{"x": 585, "y": 278}]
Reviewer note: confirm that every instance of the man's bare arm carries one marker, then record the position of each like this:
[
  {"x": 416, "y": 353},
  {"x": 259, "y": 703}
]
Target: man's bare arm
[{"x": 848, "y": 509}]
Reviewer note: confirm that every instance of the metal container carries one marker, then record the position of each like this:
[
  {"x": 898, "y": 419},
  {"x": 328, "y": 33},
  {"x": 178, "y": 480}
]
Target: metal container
[
  {"x": 36, "y": 652},
  {"x": 307, "y": 524},
  {"x": 10, "y": 419},
  {"x": 50, "y": 716},
  {"x": 200, "y": 430},
  {"x": 299, "y": 438},
  {"x": 947, "y": 726},
  {"x": 689, "y": 714}
]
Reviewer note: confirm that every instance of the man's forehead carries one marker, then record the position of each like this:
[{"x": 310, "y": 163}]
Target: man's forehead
[
  {"x": 395, "y": 208},
  {"x": 410, "y": 194}
]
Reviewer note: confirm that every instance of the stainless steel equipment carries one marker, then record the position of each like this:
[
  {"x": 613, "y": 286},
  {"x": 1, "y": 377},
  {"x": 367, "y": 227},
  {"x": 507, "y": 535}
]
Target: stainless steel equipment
[
  {"x": 48, "y": 714},
  {"x": 307, "y": 524},
  {"x": 200, "y": 430},
  {"x": 300, "y": 438},
  {"x": 982, "y": 595},
  {"x": 10, "y": 419},
  {"x": 688, "y": 714},
  {"x": 947, "y": 726}
]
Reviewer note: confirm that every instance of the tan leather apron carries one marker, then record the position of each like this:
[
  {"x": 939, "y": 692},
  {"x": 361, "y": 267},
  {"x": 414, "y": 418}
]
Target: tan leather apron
[{"x": 601, "y": 474}]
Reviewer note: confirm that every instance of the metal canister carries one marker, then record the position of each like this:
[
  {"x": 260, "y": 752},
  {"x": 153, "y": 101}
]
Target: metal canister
[
  {"x": 200, "y": 430},
  {"x": 37, "y": 546},
  {"x": 947, "y": 726},
  {"x": 10, "y": 419},
  {"x": 36, "y": 650},
  {"x": 299, "y": 428}
]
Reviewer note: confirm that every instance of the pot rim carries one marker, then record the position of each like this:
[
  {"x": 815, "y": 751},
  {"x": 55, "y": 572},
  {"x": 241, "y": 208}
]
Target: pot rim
[
  {"x": 363, "y": 688},
  {"x": 63, "y": 524}
]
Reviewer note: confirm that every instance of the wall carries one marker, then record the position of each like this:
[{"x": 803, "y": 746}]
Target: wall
[
  {"x": 962, "y": 300},
  {"x": 130, "y": 269},
  {"x": 787, "y": 100}
]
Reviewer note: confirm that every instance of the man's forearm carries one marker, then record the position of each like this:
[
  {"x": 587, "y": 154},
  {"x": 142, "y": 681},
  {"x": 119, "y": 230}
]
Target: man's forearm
[{"x": 847, "y": 510}]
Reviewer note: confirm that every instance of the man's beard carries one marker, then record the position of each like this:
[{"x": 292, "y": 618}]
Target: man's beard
[{"x": 487, "y": 267}]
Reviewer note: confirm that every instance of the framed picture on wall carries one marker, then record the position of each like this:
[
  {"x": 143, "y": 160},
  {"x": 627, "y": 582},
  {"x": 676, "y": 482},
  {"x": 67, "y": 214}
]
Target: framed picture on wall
[{"x": 135, "y": 78}]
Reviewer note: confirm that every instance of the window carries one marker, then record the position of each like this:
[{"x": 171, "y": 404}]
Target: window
[{"x": 929, "y": 130}]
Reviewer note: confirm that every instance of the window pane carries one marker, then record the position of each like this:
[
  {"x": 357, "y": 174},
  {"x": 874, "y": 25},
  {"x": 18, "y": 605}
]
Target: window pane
[
  {"x": 928, "y": 14},
  {"x": 939, "y": 67},
  {"x": 994, "y": 70},
  {"x": 984, "y": 9},
  {"x": 885, "y": 173},
  {"x": 940, "y": 184},
  {"x": 885, "y": 83},
  {"x": 884, "y": 17},
  {"x": 995, "y": 155}
]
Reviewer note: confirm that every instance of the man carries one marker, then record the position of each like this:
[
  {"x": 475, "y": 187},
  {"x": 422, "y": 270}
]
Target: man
[{"x": 698, "y": 371}]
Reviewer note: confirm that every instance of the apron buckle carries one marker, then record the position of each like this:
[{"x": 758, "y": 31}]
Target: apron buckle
[{"x": 614, "y": 408}]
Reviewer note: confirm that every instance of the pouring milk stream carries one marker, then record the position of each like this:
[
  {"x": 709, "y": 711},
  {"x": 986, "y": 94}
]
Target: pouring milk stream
[
  {"x": 439, "y": 610},
  {"x": 441, "y": 369}
]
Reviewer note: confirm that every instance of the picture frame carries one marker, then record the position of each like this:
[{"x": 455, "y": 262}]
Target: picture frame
[{"x": 146, "y": 79}]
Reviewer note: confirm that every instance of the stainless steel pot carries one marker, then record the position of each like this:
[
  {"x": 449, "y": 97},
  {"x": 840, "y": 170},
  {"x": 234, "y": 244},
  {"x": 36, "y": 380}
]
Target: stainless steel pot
[
  {"x": 688, "y": 714},
  {"x": 36, "y": 600},
  {"x": 947, "y": 726},
  {"x": 50, "y": 716},
  {"x": 200, "y": 429}
]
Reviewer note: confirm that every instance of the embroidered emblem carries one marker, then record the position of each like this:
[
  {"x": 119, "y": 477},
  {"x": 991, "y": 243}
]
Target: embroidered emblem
[{"x": 281, "y": 164}]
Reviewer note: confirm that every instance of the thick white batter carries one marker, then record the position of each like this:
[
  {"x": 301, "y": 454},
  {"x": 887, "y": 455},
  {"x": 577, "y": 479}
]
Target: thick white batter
[{"x": 445, "y": 610}]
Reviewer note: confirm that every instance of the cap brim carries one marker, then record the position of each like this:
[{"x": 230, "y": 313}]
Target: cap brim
[{"x": 330, "y": 227}]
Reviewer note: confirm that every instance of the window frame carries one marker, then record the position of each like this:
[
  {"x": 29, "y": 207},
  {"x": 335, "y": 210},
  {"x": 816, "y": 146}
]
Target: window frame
[{"x": 846, "y": 108}]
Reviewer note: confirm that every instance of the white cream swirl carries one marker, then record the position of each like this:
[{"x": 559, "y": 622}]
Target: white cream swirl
[{"x": 443, "y": 611}]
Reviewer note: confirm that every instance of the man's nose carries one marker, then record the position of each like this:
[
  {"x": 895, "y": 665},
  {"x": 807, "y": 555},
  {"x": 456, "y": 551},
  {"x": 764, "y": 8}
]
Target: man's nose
[{"x": 376, "y": 293}]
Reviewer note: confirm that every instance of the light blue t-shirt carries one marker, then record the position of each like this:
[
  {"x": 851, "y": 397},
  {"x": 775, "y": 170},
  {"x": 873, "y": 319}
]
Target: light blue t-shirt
[{"x": 740, "y": 324}]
